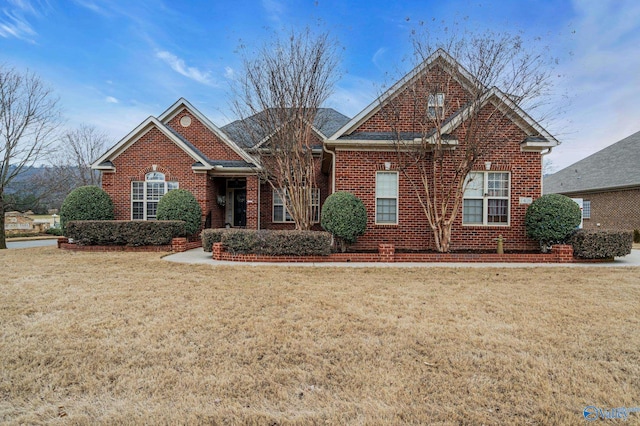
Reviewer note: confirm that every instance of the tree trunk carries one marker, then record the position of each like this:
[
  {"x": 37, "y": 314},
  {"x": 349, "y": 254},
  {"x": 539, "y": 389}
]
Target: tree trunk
[{"x": 3, "y": 235}]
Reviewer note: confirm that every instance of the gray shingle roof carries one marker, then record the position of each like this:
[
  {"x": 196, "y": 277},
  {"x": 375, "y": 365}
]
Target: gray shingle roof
[
  {"x": 327, "y": 121},
  {"x": 223, "y": 163},
  {"x": 615, "y": 166}
]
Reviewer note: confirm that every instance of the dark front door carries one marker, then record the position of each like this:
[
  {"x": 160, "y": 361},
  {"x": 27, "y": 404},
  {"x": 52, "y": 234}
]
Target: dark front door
[{"x": 240, "y": 207}]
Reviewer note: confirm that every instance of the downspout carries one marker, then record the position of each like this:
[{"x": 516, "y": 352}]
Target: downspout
[{"x": 333, "y": 167}]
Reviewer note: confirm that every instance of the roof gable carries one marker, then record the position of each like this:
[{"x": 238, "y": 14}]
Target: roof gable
[
  {"x": 104, "y": 162},
  {"x": 439, "y": 57},
  {"x": 182, "y": 104},
  {"x": 538, "y": 138}
]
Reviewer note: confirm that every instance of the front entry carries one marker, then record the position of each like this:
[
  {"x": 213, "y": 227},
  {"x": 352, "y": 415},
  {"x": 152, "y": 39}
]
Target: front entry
[
  {"x": 236, "y": 206},
  {"x": 240, "y": 208}
]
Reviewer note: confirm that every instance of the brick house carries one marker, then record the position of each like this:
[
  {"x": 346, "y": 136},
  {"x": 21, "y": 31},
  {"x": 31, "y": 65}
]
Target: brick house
[
  {"x": 182, "y": 148},
  {"x": 608, "y": 182}
]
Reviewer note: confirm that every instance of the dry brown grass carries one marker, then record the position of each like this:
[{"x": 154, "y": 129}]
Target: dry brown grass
[{"x": 93, "y": 338}]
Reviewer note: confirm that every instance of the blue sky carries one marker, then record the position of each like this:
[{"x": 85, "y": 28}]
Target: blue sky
[{"x": 114, "y": 63}]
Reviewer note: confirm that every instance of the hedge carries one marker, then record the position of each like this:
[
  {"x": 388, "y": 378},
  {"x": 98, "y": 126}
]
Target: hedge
[
  {"x": 277, "y": 243},
  {"x": 124, "y": 232},
  {"x": 601, "y": 244},
  {"x": 210, "y": 236}
]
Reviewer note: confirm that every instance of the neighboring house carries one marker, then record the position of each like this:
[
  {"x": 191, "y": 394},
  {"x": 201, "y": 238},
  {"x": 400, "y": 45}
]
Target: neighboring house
[
  {"x": 608, "y": 182},
  {"x": 20, "y": 223},
  {"x": 182, "y": 149}
]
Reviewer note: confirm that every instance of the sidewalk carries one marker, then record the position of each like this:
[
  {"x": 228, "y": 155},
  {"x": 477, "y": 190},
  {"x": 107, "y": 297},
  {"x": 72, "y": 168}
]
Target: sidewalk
[{"x": 200, "y": 256}]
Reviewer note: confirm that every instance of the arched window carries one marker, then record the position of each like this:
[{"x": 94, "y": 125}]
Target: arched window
[{"x": 145, "y": 195}]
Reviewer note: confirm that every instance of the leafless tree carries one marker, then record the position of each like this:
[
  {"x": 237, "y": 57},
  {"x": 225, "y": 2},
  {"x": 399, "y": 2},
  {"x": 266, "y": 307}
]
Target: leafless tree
[
  {"x": 487, "y": 76},
  {"x": 29, "y": 116},
  {"x": 78, "y": 149},
  {"x": 68, "y": 166},
  {"x": 278, "y": 96}
]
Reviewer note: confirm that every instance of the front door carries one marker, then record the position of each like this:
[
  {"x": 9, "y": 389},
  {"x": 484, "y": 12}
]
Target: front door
[{"x": 240, "y": 208}]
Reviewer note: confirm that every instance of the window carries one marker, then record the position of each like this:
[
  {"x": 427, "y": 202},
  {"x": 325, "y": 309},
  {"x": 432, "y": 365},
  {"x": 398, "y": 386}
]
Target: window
[
  {"x": 387, "y": 198},
  {"x": 436, "y": 106},
  {"x": 586, "y": 209},
  {"x": 486, "y": 199},
  {"x": 145, "y": 195},
  {"x": 281, "y": 214}
]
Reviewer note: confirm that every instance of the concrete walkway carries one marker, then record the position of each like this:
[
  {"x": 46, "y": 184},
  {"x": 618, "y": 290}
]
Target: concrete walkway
[{"x": 200, "y": 256}]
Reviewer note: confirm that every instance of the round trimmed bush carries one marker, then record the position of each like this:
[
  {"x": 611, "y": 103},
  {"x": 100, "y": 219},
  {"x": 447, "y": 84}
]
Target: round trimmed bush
[
  {"x": 551, "y": 219},
  {"x": 180, "y": 204},
  {"x": 345, "y": 217},
  {"x": 86, "y": 203}
]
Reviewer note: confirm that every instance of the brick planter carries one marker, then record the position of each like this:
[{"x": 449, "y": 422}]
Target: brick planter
[
  {"x": 386, "y": 254},
  {"x": 177, "y": 245}
]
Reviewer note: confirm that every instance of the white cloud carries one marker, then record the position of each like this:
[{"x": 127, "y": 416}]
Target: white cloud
[
  {"x": 229, "y": 73},
  {"x": 14, "y": 23},
  {"x": 91, "y": 5},
  {"x": 378, "y": 56},
  {"x": 274, "y": 9},
  {"x": 111, "y": 100},
  {"x": 179, "y": 66}
]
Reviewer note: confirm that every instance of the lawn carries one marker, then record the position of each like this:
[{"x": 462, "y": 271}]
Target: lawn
[{"x": 94, "y": 338}]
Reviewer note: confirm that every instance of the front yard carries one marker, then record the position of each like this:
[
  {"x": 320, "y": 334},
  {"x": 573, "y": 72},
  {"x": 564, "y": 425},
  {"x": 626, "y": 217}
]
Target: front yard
[{"x": 104, "y": 338}]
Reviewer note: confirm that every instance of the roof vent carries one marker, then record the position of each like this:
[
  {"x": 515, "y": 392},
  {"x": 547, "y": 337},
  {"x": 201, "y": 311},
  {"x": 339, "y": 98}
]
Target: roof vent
[{"x": 185, "y": 121}]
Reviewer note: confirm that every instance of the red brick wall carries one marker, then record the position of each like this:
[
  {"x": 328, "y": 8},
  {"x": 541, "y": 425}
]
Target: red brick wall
[
  {"x": 154, "y": 148},
  {"x": 356, "y": 173},
  {"x": 613, "y": 209}
]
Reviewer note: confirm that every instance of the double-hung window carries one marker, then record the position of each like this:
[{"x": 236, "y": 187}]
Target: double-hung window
[
  {"x": 146, "y": 195},
  {"x": 586, "y": 209},
  {"x": 435, "y": 106},
  {"x": 280, "y": 212},
  {"x": 486, "y": 199},
  {"x": 387, "y": 198}
]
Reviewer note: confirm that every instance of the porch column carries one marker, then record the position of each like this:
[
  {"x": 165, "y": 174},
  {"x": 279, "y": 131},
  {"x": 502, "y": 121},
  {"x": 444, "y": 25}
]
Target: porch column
[{"x": 253, "y": 201}]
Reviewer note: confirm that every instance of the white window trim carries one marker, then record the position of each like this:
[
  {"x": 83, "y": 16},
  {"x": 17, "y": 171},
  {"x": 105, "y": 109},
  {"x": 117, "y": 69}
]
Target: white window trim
[
  {"x": 285, "y": 211},
  {"x": 485, "y": 203},
  {"x": 397, "y": 198},
  {"x": 144, "y": 200}
]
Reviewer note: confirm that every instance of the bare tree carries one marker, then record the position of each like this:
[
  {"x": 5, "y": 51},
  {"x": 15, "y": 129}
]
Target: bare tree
[
  {"x": 78, "y": 149},
  {"x": 471, "y": 86},
  {"x": 278, "y": 97},
  {"x": 68, "y": 166},
  {"x": 29, "y": 115}
]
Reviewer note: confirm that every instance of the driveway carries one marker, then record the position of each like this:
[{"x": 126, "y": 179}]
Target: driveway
[{"x": 31, "y": 243}]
